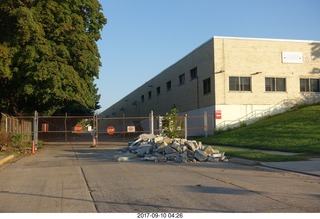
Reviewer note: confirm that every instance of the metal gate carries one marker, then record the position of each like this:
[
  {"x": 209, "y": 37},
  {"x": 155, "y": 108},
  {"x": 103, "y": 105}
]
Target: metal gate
[
  {"x": 92, "y": 130},
  {"x": 65, "y": 128}
]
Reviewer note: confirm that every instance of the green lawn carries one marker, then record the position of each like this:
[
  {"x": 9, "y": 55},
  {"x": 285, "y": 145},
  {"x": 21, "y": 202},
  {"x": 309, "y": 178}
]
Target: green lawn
[{"x": 293, "y": 131}]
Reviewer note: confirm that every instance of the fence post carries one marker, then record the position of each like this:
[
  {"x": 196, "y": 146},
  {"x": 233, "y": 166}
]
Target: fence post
[
  {"x": 6, "y": 125},
  {"x": 160, "y": 125},
  {"x": 65, "y": 128},
  {"x": 35, "y": 129},
  {"x": 97, "y": 130},
  {"x": 185, "y": 126},
  {"x": 151, "y": 122},
  {"x": 205, "y": 123},
  {"x": 123, "y": 128}
]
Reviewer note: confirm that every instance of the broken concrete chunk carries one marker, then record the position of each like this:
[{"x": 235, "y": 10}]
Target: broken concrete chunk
[
  {"x": 141, "y": 151},
  {"x": 184, "y": 157},
  {"x": 119, "y": 159},
  {"x": 167, "y": 140},
  {"x": 209, "y": 151},
  {"x": 200, "y": 155},
  {"x": 216, "y": 155},
  {"x": 161, "y": 145},
  {"x": 158, "y": 139},
  {"x": 177, "y": 147},
  {"x": 169, "y": 150},
  {"x": 144, "y": 137},
  {"x": 160, "y": 159},
  {"x": 200, "y": 146},
  {"x": 149, "y": 158},
  {"x": 128, "y": 154},
  {"x": 145, "y": 144},
  {"x": 159, "y": 148},
  {"x": 213, "y": 159},
  {"x": 192, "y": 145},
  {"x": 172, "y": 157},
  {"x": 183, "y": 148}
]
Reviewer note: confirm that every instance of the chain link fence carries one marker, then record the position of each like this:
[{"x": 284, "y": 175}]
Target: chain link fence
[{"x": 93, "y": 130}]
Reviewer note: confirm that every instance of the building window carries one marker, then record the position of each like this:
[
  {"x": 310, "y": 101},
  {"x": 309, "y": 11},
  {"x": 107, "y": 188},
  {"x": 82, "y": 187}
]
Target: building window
[
  {"x": 158, "y": 91},
  {"x": 275, "y": 84},
  {"x": 182, "y": 79},
  {"x": 314, "y": 85},
  {"x": 142, "y": 98},
  {"x": 193, "y": 73},
  {"x": 206, "y": 86},
  {"x": 309, "y": 85},
  {"x": 168, "y": 85},
  {"x": 239, "y": 84},
  {"x": 304, "y": 85},
  {"x": 149, "y": 95}
]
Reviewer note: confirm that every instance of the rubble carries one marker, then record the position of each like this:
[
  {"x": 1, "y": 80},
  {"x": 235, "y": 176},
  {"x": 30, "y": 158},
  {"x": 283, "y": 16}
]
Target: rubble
[{"x": 159, "y": 148}]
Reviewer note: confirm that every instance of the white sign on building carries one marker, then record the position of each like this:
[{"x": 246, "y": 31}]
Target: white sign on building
[{"x": 292, "y": 57}]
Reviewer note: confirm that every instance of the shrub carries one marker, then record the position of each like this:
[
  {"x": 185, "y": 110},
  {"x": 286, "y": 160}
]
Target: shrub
[{"x": 171, "y": 125}]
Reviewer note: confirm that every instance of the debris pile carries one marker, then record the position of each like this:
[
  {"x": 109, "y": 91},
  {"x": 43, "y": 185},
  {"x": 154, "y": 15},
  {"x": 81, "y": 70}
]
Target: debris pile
[{"x": 159, "y": 148}]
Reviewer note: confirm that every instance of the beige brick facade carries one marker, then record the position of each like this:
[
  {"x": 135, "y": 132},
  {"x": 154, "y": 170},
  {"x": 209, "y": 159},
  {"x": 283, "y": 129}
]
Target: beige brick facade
[{"x": 257, "y": 60}]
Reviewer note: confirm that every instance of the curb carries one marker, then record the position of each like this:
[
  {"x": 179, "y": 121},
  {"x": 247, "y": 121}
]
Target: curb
[
  {"x": 244, "y": 161},
  {"x": 6, "y": 159}
]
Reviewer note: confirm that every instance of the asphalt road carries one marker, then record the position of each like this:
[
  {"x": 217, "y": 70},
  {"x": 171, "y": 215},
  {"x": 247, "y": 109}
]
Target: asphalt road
[{"x": 76, "y": 178}]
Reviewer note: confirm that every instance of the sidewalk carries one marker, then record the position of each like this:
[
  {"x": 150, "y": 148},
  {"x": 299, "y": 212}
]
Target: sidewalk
[{"x": 310, "y": 167}]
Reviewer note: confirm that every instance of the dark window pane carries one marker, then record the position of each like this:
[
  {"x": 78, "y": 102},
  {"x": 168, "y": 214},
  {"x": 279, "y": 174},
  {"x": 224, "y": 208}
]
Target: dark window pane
[
  {"x": 304, "y": 85},
  {"x": 314, "y": 85},
  {"x": 281, "y": 84},
  {"x": 270, "y": 84},
  {"x": 206, "y": 86},
  {"x": 245, "y": 84},
  {"x": 234, "y": 83},
  {"x": 182, "y": 79},
  {"x": 168, "y": 85},
  {"x": 193, "y": 73}
]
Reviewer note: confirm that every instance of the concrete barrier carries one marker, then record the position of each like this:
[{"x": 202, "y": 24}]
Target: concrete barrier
[{"x": 6, "y": 159}]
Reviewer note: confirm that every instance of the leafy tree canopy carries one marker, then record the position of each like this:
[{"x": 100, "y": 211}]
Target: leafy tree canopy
[{"x": 48, "y": 55}]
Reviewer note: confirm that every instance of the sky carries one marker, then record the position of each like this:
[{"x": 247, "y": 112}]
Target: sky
[{"x": 144, "y": 37}]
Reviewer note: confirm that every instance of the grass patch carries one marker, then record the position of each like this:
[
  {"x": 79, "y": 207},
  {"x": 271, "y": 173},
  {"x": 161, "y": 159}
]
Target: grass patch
[
  {"x": 13, "y": 144},
  {"x": 258, "y": 155},
  {"x": 294, "y": 131}
]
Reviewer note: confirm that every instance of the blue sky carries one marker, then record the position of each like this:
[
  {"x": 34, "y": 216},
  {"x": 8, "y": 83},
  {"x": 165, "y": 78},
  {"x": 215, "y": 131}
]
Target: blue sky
[{"x": 143, "y": 37}]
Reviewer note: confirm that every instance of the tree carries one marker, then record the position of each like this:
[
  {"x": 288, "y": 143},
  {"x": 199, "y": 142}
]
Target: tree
[
  {"x": 171, "y": 124},
  {"x": 48, "y": 55}
]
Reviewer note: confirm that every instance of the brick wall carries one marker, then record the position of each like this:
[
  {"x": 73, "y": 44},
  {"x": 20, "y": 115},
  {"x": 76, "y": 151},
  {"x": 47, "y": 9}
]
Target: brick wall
[{"x": 245, "y": 57}]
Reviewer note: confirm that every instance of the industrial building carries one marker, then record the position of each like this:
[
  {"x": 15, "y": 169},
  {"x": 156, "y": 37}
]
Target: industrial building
[{"x": 230, "y": 78}]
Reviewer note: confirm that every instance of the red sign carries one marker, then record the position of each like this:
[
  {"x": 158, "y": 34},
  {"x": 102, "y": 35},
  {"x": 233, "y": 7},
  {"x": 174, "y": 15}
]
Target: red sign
[
  {"x": 111, "y": 130},
  {"x": 78, "y": 128},
  {"x": 45, "y": 127},
  {"x": 218, "y": 114},
  {"x": 131, "y": 128}
]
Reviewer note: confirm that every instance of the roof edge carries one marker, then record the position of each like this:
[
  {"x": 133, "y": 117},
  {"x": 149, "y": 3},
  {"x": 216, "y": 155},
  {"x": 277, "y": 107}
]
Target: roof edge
[{"x": 265, "y": 39}]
